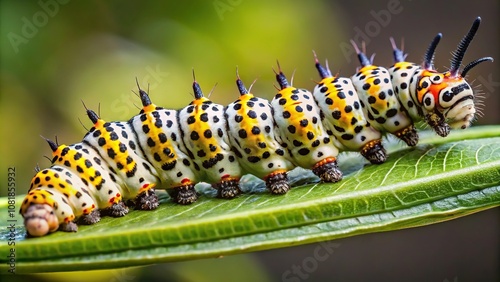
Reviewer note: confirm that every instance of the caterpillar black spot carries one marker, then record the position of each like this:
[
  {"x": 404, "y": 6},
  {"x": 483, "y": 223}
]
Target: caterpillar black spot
[{"x": 118, "y": 164}]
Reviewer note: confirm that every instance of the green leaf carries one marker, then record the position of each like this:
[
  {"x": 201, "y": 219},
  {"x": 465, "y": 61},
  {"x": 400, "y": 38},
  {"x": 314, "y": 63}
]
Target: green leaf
[{"x": 440, "y": 179}]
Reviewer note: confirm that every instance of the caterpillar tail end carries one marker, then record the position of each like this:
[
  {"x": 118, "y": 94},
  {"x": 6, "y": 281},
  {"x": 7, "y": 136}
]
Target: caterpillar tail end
[
  {"x": 327, "y": 170},
  {"x": 228, "y": 188},
  {"x": 409, "y": 135},
  {"x": 40, "y": 220},
  {"x": 277, "y": 183},
  {"x": 374, "y": 152},
  {"x": 184, "y": 195}
]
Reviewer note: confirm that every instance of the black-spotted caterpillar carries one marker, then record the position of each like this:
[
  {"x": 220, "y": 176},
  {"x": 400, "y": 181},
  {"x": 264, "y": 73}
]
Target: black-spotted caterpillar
[{"x": 207, "y": 142}]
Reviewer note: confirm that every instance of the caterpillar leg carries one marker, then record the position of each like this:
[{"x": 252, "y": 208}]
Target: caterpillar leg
[
  {"x": 374, "y": 152},
  {"x": 91, "y": 218},
  {"x": 147, "y": 200},
  {"x": 438, "y": 124},
  {"x": 277, "y": 182},
  {"x": 328, "y": 170},
  {"x": 116, "y": 210},
  {"x": 227, "y": 188},
  {"x": 183, "y": 195},
  {"x": 409, "y": 135},
  {"x": 68, "y": 227}
]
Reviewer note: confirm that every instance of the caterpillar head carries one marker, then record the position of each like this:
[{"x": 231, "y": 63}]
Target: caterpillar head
[
  {"x": 40, "y": 219},
  {"x": 447, "y": 98},
  {"x": 38, "y": 210}
]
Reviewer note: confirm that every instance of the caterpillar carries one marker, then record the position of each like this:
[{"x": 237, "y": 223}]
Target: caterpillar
[{"x": 120, "y": 164}]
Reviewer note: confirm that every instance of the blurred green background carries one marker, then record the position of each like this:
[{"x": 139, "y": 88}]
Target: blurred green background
[{"x": 55, "y": 54}]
